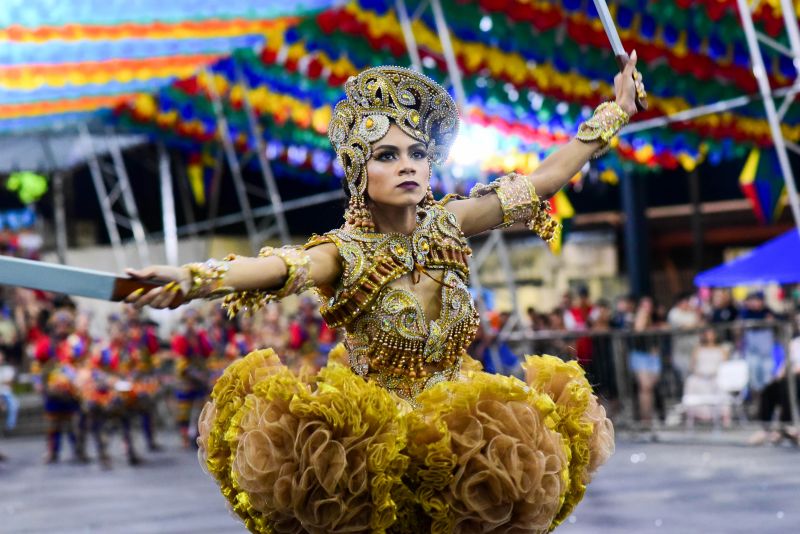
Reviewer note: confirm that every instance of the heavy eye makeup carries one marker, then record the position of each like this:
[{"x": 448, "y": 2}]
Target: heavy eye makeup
[{"x": 388, "y": 153}]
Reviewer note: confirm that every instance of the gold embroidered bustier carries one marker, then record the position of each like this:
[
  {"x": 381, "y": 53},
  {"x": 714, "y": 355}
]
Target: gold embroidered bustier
[{"x": 388, "y": 336}]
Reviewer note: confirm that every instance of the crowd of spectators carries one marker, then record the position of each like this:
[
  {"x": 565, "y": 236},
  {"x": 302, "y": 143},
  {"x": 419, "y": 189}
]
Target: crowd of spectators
[{"x": 672, "y": 357}]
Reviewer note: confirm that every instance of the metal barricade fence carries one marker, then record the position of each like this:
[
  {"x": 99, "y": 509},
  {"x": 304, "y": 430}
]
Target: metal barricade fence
[{"x": 630, "y": 369}]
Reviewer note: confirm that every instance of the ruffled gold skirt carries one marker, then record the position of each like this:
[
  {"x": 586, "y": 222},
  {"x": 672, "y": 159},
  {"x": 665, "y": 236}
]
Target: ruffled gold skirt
[{"x": 335, "y": 453}]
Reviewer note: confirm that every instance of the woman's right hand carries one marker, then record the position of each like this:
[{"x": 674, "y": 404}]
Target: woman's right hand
[{"x": 177, "y": 282}]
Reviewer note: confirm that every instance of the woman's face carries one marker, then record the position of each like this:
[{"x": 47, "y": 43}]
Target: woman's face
[{"x": 399, "y": 170}]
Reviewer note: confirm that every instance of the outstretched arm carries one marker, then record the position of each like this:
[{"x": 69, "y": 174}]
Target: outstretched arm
[
  {"x": 237, "y": 275},
  {"x": 485, "y": 212}
]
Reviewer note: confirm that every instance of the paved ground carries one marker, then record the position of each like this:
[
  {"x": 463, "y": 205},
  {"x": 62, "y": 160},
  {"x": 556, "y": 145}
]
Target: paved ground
[
  {"x": 688, "y": 487},
  {"x": 692, "y": 484},
  {"x": 169, "y": 493}
]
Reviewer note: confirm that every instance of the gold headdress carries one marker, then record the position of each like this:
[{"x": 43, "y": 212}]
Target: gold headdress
[{"x": 417, "y": 104}]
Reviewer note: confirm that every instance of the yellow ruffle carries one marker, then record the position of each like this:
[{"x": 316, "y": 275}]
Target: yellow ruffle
[
  {"x": 322, "y": 456},
  {"x": 334, "y": 453},
  {"x": 578, "y": 417},
  {"x": 489, "y": 458}
]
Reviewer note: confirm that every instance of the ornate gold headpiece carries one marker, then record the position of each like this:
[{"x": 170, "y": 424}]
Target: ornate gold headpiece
[{"x": 417, "y": 104}]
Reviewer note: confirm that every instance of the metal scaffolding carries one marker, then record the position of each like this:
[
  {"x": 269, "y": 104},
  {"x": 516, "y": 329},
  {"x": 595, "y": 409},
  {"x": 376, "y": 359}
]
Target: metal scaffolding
[
  {"x": 247, "y": 194},
  {"x": 776, "y": 114},
  {"x": 168, "y": 206},
  {"x": 115, "y": 196}
]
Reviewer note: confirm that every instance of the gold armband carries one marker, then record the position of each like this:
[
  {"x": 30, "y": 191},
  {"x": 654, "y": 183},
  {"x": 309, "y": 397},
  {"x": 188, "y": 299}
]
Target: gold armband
[
  {"x": 520, "y": 203},
  {"x": 298, "y": 272},
  {"x": 603, "y": 125},
  {"x": 206, "y": 279}
]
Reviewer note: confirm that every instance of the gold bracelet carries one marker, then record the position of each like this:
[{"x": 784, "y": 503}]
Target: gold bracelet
[
  {"x": 520, "y": 203},
  {"x": 206, "y": 279},
  {"x": 603, "y": 125},
  {"x": 298, "y": 268},
  {"x": 298, "y": 279}
]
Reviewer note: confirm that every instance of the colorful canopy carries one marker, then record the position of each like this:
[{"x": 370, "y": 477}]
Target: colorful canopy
[
  {"x": 533, "y": 70},
  {"x": 61, "y": 61}
]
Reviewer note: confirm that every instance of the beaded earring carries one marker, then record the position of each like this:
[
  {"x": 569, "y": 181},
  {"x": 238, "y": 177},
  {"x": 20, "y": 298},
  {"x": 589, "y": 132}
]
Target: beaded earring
[
  {"x": 358, "y": 215},
  {"x": 429, "y": 200}
]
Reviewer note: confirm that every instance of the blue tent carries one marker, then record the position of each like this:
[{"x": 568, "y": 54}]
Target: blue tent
[{"x": 775, "y": 262}]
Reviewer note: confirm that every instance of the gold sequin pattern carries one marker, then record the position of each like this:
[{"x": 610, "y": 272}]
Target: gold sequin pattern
[
  {"x": 206, "y": 279},
  {"x": 417, "y": 104},
  {"x": 298, "y": 279},
  {"x": 388, "y": 336},
  {"x": 520, "y": 203},
  {"x": 603, "y": 125}
]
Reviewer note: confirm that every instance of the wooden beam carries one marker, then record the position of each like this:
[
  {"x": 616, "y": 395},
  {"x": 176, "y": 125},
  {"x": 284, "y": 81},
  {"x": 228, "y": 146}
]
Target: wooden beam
[{"x": 730, "y": 235}]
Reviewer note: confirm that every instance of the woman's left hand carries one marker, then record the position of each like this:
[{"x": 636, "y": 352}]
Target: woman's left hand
[{"x": 627, "y": 85}]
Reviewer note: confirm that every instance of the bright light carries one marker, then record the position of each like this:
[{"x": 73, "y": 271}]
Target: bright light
[
  {"x": 475, "y": 144},
  {"x": 486, "y": 23},
  {"x": 428, "y": 62}
]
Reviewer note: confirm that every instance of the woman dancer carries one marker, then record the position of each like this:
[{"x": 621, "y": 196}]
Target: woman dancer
[{"x": 408, "y": 435}]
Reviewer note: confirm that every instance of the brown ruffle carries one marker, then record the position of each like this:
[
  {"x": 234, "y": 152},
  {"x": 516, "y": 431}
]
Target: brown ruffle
[
  {"x": 508, "y": 467},
  {"x": 334, "y": 453}
]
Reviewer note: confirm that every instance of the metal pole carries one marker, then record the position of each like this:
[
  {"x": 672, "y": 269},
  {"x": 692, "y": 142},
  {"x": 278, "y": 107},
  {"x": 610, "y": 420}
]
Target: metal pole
[
  {"x": 701, "y": 111},
  {"x": 265, "y": 211},
  {"x": 408, "y": 35},
  {"x": 625, "y": 395},
  {"x": 168, "y": 206},
  {"x": 261, "y": 153},
  {"x": 213, "y": 195},
  {"x": 635, "y": 231},
  {"x": 184, "y": 193},
  {"x": 59, "y": 202},
  {"x": 486, "y": 249},
  {"x": 105, "y": 201},
  {"x": 449, "y": 55},
  {"x": 697, "y": 220},
  {"x": 508, "y": 272},
  {"x": 60, "y": 214},
  {"x": 792, "y": 30},
  {"x": 760, "y": 72},
  {"x": 127, "y": 197},
  {"x": 233, "y": 162}
]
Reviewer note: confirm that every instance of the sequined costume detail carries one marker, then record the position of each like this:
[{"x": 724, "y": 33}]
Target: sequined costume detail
[
  {"x": 418, "y": 105},
  {"x": 603, "y": 125},
  {"x": 389, "y": 338},
  {"x": 298, "y": 273},
  {"x": 520, "y": 203}
]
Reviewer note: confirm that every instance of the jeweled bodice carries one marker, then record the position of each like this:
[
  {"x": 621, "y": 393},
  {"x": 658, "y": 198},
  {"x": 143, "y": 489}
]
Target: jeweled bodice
[{"x": 388, "y": 335}]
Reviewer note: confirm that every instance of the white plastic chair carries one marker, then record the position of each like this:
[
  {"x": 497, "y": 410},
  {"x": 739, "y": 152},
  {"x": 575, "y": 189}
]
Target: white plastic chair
[{"x": 732, "y": 379}]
